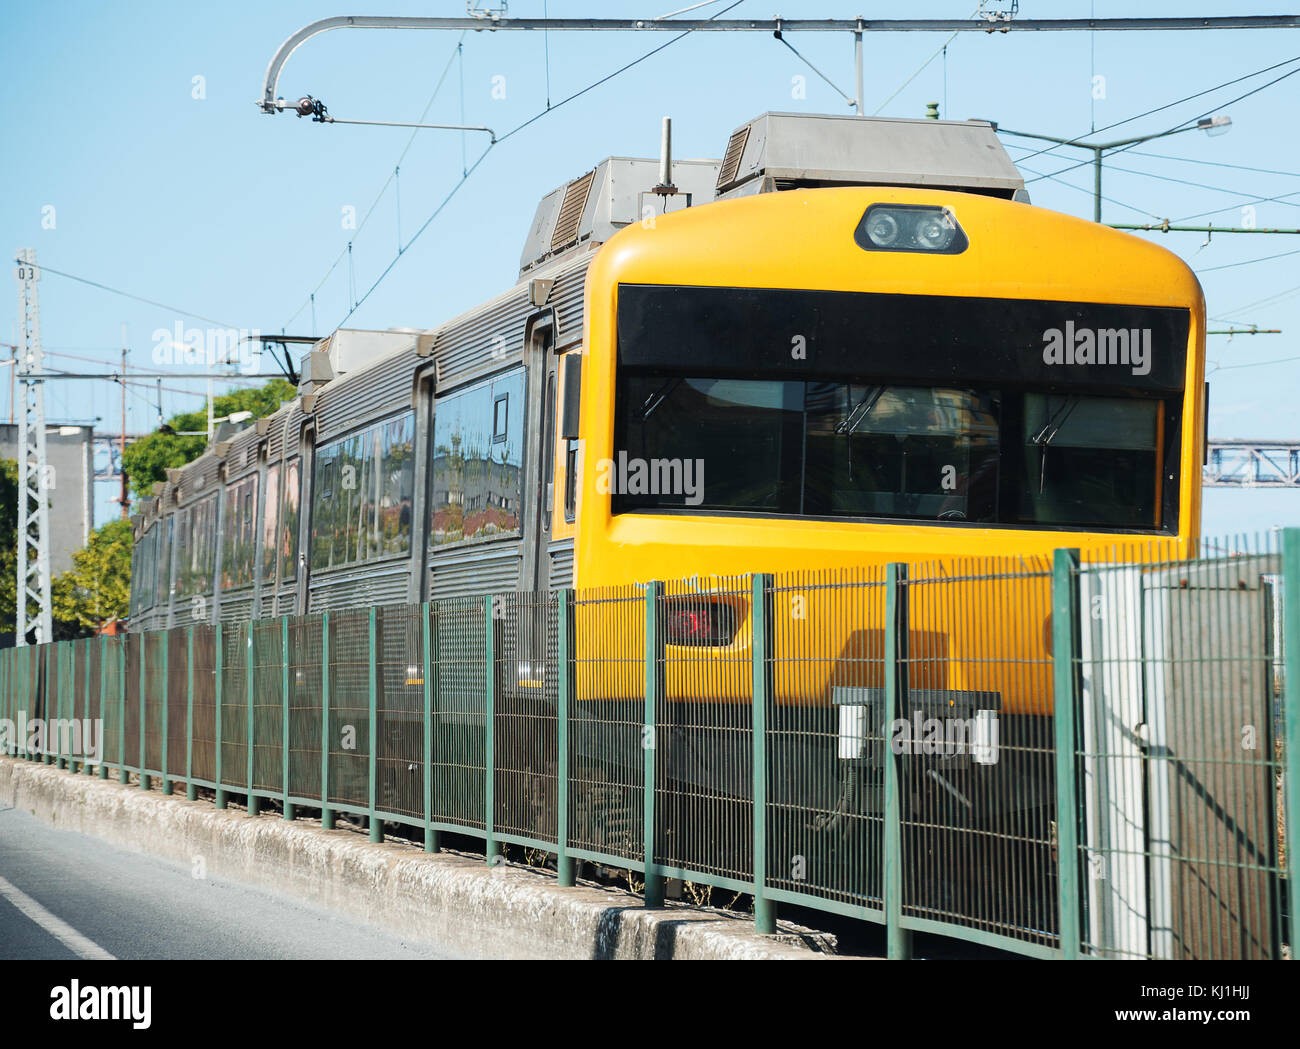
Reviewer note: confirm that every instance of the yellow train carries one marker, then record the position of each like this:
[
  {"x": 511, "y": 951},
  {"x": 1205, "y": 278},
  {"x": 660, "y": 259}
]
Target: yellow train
[
  {"x": 846, "y": 343},
  {"x": 850, "y": 376}
]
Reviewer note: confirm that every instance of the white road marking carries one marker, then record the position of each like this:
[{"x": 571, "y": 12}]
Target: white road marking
[{"x": 79, "y": 945}]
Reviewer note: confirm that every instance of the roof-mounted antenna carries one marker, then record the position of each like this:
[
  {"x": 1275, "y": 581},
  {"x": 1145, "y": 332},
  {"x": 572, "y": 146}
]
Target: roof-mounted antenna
[{"x": 666, "y": 187}]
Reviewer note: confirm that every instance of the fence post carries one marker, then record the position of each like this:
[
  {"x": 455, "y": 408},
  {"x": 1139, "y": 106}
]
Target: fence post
[
  {"x": 1065, "y": 676},
  {"x": 654, "y": 882},
  {"x": 122, "y": 774},
  {"x": 761, "y": 653},
  {"x": 67, "y": 671},
  {"x": 86, "y": 766},
  {"x": 218, "y": 668},
  {"x": 491, "y": 848},
  {"x": 51, "y": 703},
  {"x": 166, "y": 708},
  {"x": 144, "y": 651},
  {"x": 1291, "y": 724},
  {"x": 898, "y": 941},
  {"x": 284, "y": 732},
  {"x": 428, "y": 639},
  {"x": 564, "y": 862},
  {"x": 105, "y": 646},
  {"x": 251, "y": 734},
  {"x": 326, "y": 813},
  {"x": 376, "y": 827},
  {"x": 191, "y": 791}
]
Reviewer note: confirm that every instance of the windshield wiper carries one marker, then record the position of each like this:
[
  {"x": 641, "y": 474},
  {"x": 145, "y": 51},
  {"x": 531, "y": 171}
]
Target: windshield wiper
[
  {"x": 658, "y": 397},
  {"x": 1048, "y": 433},
  {"x": 861, "y": 410},
  {"x": 1053, "y": 425}
]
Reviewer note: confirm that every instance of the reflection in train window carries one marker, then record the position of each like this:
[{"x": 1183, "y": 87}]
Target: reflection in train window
[
  {"x": 239, "y": 534},
  {"x": 270, "y": 508},
  {"x": 162, "y": 562},
  {"x": 363, "y": 488},
  {"x": 477, "y": 461},
  {"x": 195, "y": 540},
  {"x": 289, "y": 521}
]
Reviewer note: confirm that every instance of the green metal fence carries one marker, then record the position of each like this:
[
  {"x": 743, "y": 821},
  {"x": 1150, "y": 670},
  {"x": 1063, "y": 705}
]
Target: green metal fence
[{"x": 1057, "y": 756}]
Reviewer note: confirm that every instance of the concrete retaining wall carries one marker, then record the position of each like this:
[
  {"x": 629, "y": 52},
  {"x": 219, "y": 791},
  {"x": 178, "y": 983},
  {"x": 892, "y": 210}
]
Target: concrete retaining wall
[{"x": 452, "y": 900}]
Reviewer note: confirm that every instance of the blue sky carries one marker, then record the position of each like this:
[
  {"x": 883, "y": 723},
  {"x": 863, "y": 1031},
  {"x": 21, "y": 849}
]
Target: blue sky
[{"x": 208, "y": 206}]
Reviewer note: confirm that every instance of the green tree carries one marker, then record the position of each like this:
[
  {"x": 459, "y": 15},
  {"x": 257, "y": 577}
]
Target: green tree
[
  {"x": 97, "y": 587},
  {"x": 148, "y": 459},
  {"x": 8, "y": 543}
]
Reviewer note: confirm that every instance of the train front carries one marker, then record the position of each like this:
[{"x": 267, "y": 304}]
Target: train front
[{"x": 809, "y": 375}]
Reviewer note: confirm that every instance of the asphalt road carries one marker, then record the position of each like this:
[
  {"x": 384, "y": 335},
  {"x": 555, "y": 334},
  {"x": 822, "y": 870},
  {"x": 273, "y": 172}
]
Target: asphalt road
[{"x": 64, "y": 895}]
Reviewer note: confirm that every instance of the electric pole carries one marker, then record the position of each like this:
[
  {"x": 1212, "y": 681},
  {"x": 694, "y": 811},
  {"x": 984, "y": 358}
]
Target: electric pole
[{"x": 34, "y": 477}]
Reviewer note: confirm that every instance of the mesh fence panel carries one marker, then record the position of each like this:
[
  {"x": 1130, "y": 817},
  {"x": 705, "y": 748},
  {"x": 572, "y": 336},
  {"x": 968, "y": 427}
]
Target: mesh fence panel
[
  {"x": 155, "y": 697},
  {"x": 305, "y": 687},
  {"x": 606, "y": 717},
  {"x": 234, "y": 705},
  {"x": 268, "y": 705},
  {"x": 204, "y": 751},
  {"x": 825, "y": 808},
  {"x": 524, "y": 722},
  {"x": 131, "y": 708},
  {"x": 110, "y": 669},
  {"x": 349, "y": 721},
  {"x": 704, "y": 756},
  {"x": 399, "y": 754},
  {"x": 80, "y": 655},
  {"x": 1180, "y": 753},
  {"x": 459, "y": 756},
  {"x": 976, "y": 750},
  {"x": 90, "y": 697},
  {"x": 178, "y": 697}
]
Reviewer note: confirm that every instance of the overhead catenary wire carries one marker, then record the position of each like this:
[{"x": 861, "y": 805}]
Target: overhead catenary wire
[
  {"x": 1182, "y": 123},
  {"x": 138, "y": 298},
  {"x": 1176, "y": 102},
  {"x": 499, "y": 140}
]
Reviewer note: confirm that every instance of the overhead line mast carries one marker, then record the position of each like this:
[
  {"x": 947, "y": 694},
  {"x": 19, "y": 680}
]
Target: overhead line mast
[{"x": 34, "y": 477}]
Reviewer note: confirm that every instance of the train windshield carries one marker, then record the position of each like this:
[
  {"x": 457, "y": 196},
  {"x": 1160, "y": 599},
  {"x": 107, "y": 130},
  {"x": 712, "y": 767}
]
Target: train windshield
[
  {"x": 849, "y": 449},
  {"x": 800, "y": 403}
]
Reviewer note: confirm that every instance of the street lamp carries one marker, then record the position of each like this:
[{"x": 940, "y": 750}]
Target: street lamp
[{"x": 1215, "y": 125}]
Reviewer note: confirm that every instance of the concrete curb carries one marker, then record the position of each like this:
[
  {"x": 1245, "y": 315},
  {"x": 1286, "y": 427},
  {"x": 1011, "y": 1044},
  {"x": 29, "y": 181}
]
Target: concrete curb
[{"x": 452, "y": 900}]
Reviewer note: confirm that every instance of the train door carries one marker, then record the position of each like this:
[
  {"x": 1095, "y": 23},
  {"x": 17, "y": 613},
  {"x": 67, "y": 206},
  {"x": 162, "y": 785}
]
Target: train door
[
  {"x": 306, "y": 512},
  {"x": 421, "y": 515},
  {"x": 546, "y": 368}
]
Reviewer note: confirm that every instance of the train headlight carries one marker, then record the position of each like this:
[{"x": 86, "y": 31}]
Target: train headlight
[
  {"x": 910, "y": 227},
  {"x": 882, "y": 228}
]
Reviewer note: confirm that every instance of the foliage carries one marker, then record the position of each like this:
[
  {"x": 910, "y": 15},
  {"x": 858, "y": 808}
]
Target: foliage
[
  {"x": 97, "y": 587},
  {"x": 8, "y": 543},
  {"x": 148, "y": 459}
]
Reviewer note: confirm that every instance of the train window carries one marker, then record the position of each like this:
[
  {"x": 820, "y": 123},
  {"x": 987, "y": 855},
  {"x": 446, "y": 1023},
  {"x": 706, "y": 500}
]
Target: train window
[
  {"x": 855, "y": 449},
  {"x": 396, "y": 485},
  {"x": 239, "y": 534},
  {"x": 162, "y": 563},
  {"x": 144, "y": 586},
  {"x": 569, "y": 430},
  {"x": 500, "y": 418},
  {"x": 288, "y": 546},
  {"x": 1090, "y": 461},
  {"x": 270, "y": 511},
  {"x": 895, "y": 451},
  {"x": 181, "y": 545},
  {"x": 364, "y": 486},
  {"x": 195, "y": 540},
  {"x": 477, "y": 478},
  {"x": 548, "y": 454}
]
